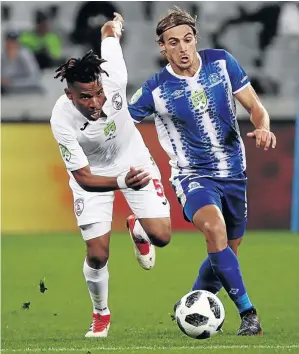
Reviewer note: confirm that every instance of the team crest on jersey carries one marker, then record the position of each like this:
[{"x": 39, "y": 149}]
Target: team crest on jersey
[
  {"x": 136, "y": 96},
  {"x": 199, "y": 99},
  {"x": 65, "y": 153},
  {"x": 214, "y": 79},
  {"x": 117, "y": 101},
  {"x": 110, "y": 130},
  {"x": 79, "y": 206}
]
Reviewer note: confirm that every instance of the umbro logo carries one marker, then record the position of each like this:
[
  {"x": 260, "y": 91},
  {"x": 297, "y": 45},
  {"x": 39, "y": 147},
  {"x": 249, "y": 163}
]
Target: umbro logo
[
  {"x": 177, "y": 94},
  {"x": 194, "y": 185}
]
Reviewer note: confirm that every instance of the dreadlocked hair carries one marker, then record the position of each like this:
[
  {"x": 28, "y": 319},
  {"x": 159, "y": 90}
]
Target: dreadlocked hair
[
  {"x": 175, "y": 17},
  {"x": 86, "y": 69}
]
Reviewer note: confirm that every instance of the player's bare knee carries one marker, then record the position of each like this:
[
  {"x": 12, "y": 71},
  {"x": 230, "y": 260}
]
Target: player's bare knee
[
  {"x": 160, "y": 237},
  {"x": 215, "y": 234},
  {"x": 234, "y": 245},
  {"x": 98, "y": 251},
  {"x": 158, "y": 231},
  {"x": 97, "y": 259}
]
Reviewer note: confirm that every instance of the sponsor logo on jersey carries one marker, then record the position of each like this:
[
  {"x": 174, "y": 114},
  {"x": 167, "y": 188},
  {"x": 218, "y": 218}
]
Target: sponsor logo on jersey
[
  {"x": 84, "y": 126},
  {"x": 177, "y": 94},
  {"x": 117, "y": 101},
  {"x": 214, "y": 79},
  {"x": 65, "y": 153},
  {"x": 136, "y": 96},
  {"x": 79, "y": 206},
  {"x": 194, "y": 185},
  {"x": 110, "y": 130},
  {"x": 199, "y": 99}
]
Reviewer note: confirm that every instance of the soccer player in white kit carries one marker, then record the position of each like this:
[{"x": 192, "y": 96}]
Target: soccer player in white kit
[{"x": 99, "y": 144}]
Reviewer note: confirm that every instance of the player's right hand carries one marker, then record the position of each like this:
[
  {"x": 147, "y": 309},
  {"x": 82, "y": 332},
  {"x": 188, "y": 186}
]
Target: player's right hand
[{"x": 137, "y": 179}]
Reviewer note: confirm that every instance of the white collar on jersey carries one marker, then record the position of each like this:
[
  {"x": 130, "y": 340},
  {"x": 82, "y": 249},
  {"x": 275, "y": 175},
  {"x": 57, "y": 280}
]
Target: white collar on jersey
[{"x": 170, "y": 70}]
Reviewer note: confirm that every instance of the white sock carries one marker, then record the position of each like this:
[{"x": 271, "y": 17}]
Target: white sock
[
  {"x": 97, "y": 283},
  {"x": 139, "y": 232}
]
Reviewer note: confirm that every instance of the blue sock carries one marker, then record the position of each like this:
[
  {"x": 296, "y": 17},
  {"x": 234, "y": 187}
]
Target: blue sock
[
  {"x": 206, "y": 278},
  {"x": 226, "y": 266}
]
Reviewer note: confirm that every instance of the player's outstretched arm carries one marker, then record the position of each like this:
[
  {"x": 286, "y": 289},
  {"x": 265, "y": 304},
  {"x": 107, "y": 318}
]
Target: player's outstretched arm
[
  {"x": 115, "y": 64},
  {"x": 135, "y": 179},
  {"x": 113, "y": 28},
  {"x": 259, "y": 118}
]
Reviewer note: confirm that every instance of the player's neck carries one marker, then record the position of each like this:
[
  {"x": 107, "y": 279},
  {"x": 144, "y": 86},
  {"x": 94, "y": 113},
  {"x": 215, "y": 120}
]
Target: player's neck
[{"x": 191, "y": 71}]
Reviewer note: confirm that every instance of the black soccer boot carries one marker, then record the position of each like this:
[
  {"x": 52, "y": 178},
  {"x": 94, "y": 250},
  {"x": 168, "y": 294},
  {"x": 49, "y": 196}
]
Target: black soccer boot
[{"x": 250, "y": 325}]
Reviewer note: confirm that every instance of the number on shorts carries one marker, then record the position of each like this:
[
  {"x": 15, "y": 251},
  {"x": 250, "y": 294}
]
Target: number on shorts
[{"x": 158, "y": 187}]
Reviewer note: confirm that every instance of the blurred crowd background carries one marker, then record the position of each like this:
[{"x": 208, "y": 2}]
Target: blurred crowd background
[{"x": 38, "y": 36}]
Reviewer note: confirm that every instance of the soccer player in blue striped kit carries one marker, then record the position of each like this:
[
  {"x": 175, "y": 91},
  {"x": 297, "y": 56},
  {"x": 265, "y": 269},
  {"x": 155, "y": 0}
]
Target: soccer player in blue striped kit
[{"x": 193, "y": 100}]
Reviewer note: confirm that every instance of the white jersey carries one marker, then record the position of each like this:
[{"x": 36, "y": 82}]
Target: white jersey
[{"x": 109, "y": 145}]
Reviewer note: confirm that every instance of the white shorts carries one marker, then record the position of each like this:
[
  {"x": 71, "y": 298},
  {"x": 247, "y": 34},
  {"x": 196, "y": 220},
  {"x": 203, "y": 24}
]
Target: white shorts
[{"x": 96, "y": 208}]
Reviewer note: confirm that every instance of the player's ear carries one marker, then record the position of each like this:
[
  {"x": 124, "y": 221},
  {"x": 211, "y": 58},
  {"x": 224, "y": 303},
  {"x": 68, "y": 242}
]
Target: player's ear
[
  {"x": 162, "y": 48},
  {"x": 68, "y": 92}
]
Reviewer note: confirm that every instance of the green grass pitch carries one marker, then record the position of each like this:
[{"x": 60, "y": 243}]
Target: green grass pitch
[{"x": 141, "y": 301}]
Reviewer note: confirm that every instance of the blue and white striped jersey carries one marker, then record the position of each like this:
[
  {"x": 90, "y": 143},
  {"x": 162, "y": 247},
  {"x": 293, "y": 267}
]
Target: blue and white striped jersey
[{"x": 195, "y": 116}]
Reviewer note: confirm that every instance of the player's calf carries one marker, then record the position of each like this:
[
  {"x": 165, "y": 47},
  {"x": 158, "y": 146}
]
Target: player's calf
[
  {"x": 96, "y": 275},
  {"x": 158, "y": 230}
]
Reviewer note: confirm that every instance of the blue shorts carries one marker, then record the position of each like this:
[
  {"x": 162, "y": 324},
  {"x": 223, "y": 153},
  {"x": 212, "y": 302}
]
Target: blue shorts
[{"x": 228, "y": 194}]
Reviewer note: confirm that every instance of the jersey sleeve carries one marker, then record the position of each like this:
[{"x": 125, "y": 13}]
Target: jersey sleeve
[
  {"x": 115, "y": 66},
  {"x": 238, "y": 77},
  {"x": 70, "y": 149},
  {"x": 142, "y": 104}
]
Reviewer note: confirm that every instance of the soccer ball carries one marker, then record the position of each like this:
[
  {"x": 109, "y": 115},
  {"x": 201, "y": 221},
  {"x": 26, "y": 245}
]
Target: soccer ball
[{"x": 199, "y": 314}]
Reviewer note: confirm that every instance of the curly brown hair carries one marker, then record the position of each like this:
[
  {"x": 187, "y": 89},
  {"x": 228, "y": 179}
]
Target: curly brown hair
[{"x": 175, "y": 17}]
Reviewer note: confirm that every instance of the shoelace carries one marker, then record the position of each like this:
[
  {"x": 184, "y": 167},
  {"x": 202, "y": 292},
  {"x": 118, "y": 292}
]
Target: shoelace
[
  {"x": 248, "y": 320},
  {"x": 99, "y": 323}
]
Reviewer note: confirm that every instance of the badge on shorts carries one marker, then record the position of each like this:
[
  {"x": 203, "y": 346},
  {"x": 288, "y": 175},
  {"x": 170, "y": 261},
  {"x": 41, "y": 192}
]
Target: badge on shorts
[
  {"x": 65, "y": 153},
  {"x": 117, "y": 101},
  {"x": 79, "y": 206}
]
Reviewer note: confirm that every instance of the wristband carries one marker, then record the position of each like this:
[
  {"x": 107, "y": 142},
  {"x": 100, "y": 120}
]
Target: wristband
[{"x": 121, "y": 182}]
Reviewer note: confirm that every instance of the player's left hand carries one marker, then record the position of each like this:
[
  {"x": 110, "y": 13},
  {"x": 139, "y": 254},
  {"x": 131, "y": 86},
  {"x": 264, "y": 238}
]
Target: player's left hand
[
  {"x": 264, "y": 138},
  {"x": 118, "y": 22}
]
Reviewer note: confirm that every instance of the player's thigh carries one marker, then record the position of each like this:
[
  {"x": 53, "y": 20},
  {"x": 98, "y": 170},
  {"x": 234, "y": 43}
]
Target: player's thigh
[
  {"x": 195, "y": 192},
  {"x": 149, "y": 202},
  {"x": 91, "y": 208},
  {"x": 202, "y": 205},
  {"x": 235, "y": 208}
]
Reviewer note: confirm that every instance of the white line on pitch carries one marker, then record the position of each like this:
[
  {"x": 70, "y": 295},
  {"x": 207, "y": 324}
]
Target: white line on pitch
[{"x": 211, "y": 347}]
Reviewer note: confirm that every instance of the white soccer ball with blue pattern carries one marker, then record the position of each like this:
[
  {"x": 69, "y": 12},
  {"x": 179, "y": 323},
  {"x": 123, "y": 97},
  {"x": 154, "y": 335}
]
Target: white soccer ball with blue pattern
[{"x": 199, "y": 314}]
